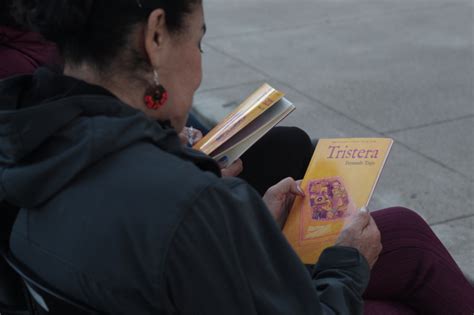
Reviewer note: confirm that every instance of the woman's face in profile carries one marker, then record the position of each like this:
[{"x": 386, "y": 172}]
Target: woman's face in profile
[{"x": 180, "y": 70}]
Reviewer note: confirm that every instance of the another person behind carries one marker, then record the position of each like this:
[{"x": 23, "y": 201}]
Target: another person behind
[{"x": 22, "y": 51}]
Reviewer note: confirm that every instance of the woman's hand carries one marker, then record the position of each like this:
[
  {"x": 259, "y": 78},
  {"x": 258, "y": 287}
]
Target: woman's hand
[
  {"x": 189, "y": 136},
  {"x": 234, "y": 169},
  {"x": 362, "y": 233},
  {"x": 279, "y": 198}
]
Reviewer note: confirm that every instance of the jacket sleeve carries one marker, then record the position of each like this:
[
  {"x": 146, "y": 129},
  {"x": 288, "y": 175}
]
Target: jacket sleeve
[{"x": 229, "y": 257}]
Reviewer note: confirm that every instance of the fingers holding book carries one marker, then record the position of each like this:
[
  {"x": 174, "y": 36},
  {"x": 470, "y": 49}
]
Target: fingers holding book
[
  {"x": 189, "y": 136},
  {"x": 234, "y": 169},
  {"x": 362, "y": 233},
  {"x": 279, "y": 198}
]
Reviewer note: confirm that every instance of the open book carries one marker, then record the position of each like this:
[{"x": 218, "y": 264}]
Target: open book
[
  {"x": 340, "y": 179},
  {"x": 244, "y": 126}
]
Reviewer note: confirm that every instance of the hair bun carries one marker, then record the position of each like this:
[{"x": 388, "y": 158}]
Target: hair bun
[{"x": 55, "y": 18}]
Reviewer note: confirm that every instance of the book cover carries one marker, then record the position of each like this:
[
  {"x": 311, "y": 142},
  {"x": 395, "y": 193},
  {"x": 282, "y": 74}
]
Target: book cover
[
  {"x": 244, "y": 126},
  {"x": 340, "y": 179}
]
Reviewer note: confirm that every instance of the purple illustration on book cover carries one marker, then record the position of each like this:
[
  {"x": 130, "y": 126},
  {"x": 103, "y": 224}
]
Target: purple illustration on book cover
[{"x": 329, "y": 199}]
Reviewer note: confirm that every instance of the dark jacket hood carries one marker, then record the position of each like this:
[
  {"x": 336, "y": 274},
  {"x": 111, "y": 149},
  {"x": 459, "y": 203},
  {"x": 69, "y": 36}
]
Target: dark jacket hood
[{"x": 52, "y": 127}]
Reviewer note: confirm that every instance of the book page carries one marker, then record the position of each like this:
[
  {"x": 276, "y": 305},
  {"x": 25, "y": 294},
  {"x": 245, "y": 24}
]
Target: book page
[
  {"x": 256, "y": 104},
  {"x": 244, "y": 139}
]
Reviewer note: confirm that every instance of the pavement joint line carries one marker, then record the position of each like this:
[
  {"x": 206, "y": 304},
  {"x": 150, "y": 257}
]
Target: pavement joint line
[
  {"x": 341, "y": 20},
  {"x": 338, "y": 112},
  {"x": 439, "y": 163},
  {"x": 434, "y": 123},
  {"x": 467, "y": 216},
  {"x": 295, "y": 89}
]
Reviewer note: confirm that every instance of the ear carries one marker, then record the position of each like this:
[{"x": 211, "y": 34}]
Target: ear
[{"x": 156, "y": 36}]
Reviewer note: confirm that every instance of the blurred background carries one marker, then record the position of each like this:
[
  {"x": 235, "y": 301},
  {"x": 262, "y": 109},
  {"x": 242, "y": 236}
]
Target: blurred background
[{"x": 363, "y": 68}]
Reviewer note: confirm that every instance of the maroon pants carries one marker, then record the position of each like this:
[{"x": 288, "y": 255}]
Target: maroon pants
[{"x": 414, "y": 274}]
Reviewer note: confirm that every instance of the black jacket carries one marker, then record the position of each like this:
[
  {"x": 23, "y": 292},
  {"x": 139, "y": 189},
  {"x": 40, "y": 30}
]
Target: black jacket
[{"x": 116, "y": 213}]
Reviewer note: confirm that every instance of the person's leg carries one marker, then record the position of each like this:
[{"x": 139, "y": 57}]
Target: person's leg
[
  {"x": 415, "y": 269},
  {"x": 386, "y": 308},
  {"x": 282, "y": 152}
]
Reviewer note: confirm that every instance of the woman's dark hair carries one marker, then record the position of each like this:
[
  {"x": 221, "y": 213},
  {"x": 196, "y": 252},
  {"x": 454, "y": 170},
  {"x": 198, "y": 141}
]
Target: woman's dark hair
[
  {"x": 6, "y": 18},
  {"x": 96, "y": 31}
]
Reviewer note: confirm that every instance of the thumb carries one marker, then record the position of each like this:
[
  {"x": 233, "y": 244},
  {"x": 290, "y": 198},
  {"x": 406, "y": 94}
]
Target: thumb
[
  {"x": 198, "y": 135},
  {"x": 360, "y": 219},
  {"x": 287, "y": 185},
  {"x": 296, "y": 188}
]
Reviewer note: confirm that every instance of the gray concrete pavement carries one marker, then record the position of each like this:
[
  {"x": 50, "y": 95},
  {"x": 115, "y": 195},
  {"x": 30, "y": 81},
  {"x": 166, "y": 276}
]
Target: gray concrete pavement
[{"x": 398, "y": 68}]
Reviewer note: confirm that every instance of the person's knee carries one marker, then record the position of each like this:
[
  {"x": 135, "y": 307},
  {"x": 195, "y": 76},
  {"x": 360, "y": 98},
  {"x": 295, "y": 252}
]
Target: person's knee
[
  {"x": 300, "y": 136},
  {"x": 402, "y": 217},
  {"x": 291, "y": 140},
  {"x": 408, "y": 214},
  {"x": 299, "y": 140},
  {"x": 293, "y": 135}
]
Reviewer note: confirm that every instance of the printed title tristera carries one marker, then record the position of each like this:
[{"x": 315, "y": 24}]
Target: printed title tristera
[{"x": 336, "y": 152}]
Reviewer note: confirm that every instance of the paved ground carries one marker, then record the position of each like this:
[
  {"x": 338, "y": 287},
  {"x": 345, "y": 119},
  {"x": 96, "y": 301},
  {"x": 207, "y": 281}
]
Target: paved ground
[{"x": 397, "y": 68}]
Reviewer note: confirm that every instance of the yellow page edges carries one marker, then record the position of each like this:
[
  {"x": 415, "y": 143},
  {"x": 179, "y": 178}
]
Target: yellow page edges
[{"x": 257, "y": 103}]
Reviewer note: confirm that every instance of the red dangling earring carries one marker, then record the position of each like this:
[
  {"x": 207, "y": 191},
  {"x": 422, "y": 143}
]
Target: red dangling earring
[{"x": 156, "y": 96}]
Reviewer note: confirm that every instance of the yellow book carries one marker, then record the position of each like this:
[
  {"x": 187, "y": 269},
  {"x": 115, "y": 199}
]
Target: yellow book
[
  {"x": 340, "y": 179},
  {"x": 244, "y": 126}
]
